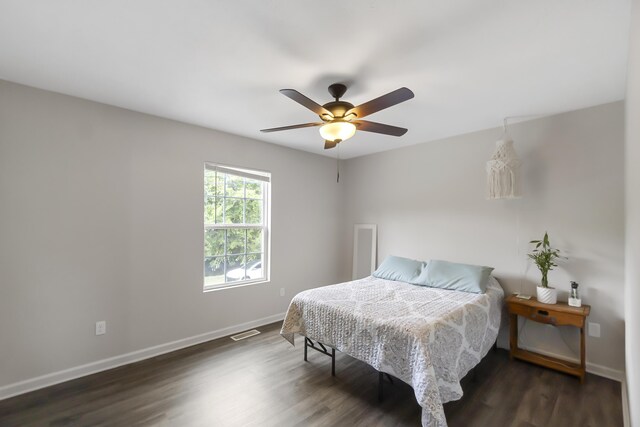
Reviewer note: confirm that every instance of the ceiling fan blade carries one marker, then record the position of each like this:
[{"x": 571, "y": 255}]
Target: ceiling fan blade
[
  {"x": 382, "y": 102},
  {"x": 329, "y": 144},
  {"x": 379, "y": 128},
  {"x": 303, "y": 125},
  {"x": 303, "y": 100}
]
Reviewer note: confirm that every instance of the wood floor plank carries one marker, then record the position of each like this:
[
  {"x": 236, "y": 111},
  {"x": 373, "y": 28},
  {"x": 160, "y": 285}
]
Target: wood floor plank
[{"x": 262, "y": 381}]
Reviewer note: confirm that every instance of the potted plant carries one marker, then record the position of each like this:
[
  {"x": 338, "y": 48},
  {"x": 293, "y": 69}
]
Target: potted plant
[{"x": 544, "y": 256}]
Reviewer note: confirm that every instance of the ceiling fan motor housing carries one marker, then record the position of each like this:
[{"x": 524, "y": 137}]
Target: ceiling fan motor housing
[{"x": 338, "y": 109}]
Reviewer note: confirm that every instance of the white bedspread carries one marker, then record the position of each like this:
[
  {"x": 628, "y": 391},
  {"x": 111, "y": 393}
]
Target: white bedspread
[{"x": 428, "y": 337}]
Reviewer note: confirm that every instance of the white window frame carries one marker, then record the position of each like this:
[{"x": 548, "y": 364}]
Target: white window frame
[{"x": 265, "y": 177}]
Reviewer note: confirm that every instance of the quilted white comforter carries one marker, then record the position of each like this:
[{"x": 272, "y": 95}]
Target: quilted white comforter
[{"x": 428, "y": 337}]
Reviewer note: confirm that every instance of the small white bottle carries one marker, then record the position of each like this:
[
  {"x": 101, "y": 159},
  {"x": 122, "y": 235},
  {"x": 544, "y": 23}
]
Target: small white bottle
[{"x": 574, "y": 296}]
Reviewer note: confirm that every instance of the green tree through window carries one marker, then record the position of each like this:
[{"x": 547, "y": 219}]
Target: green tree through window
[{"x": 235, "y": 226}]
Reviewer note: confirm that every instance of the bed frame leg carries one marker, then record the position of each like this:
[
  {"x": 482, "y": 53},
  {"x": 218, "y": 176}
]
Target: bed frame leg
[
  {"x": 305, "y": 348},
  {"x": 333, "y": 362},
  {"x": 380, "y": 381}
]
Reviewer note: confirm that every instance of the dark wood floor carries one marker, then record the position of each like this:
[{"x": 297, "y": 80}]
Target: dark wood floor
[{"x": 263, "y": 381}]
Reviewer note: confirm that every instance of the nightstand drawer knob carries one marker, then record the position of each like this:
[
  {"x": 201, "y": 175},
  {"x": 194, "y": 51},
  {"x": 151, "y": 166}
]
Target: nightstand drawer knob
[{"x": 543, "y": 312}]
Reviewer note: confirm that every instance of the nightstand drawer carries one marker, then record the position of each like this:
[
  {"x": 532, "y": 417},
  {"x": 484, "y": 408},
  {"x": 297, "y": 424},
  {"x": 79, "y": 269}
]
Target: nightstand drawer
[{"x": 549, "y": 316}]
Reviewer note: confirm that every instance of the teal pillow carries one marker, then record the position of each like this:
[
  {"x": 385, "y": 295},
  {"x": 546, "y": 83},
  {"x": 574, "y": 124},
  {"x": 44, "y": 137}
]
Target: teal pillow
[
  {"x": 400, "y": 269},
  {"x": 454, "y": 276}
]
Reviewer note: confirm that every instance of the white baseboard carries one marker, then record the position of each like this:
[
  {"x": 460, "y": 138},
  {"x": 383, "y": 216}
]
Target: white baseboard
[
  {"x": 626, "y": 416},
  {"x": 124, "y": 359},
  {"x": 592, "y": 368}
]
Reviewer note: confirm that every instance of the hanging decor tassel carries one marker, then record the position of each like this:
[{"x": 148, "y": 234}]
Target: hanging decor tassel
[{"x": 503, "y": 170}]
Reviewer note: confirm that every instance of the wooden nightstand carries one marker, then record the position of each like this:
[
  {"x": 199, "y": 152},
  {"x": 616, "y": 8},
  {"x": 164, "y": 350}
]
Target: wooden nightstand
[{"x": 551, "y": 314}]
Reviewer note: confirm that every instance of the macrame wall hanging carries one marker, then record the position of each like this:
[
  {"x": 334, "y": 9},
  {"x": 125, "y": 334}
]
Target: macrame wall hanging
[{"x": 503, "y": 170}]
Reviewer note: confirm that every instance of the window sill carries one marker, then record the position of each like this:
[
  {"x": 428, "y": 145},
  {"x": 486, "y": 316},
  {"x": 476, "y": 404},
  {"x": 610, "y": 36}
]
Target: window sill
[{"x": 234, "y": 285}]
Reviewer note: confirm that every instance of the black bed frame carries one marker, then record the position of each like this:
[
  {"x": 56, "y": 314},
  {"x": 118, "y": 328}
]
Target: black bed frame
[{"x": 318, "y": 346}]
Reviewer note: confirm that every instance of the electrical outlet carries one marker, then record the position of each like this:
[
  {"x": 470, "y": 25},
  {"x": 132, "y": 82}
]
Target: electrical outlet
[
  {"x": 594, "y": 330},
  {"x": 281, "y": 292},
  {"x": 101, "y": 327}
]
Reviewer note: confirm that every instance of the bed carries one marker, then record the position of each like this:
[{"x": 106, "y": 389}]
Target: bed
[{"x": 427, "y": 337}]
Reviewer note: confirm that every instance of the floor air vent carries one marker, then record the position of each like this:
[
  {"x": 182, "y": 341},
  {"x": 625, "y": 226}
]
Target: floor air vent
[{"x": 244, "y": 335}]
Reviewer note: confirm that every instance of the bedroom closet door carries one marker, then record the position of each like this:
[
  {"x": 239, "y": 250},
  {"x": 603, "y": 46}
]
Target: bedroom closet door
[{"x": 364, "y": 250}]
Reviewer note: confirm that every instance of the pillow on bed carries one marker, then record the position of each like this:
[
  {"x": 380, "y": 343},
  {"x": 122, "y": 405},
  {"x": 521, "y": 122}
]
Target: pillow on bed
[
  {"x": 454, "y": 276},
  {"x": 400, "y": 269}
]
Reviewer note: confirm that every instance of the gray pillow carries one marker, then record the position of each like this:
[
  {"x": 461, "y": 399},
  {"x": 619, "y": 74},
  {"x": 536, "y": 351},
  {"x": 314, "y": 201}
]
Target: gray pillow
[{"x": 454, "y": 276}]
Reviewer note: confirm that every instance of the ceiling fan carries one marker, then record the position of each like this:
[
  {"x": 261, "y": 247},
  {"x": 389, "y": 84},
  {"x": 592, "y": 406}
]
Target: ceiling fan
[{"x": 341, "y": 119}]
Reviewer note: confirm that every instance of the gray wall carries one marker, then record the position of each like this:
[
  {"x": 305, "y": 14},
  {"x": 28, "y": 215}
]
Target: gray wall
[
  {"x": 429, "y": 202},
  {"x": 632, "y": 156},
  {"x": 101, "y": 219}
]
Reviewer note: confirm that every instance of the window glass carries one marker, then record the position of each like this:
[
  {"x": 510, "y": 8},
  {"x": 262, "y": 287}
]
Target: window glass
[{"x": 235, "y": 226}]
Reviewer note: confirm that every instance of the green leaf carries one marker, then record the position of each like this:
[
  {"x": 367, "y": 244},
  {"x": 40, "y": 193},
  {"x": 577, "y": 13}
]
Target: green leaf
[{"x": 544, "y": 256}]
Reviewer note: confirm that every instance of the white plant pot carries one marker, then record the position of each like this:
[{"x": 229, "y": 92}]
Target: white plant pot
[{"x": 547, "y": 295}]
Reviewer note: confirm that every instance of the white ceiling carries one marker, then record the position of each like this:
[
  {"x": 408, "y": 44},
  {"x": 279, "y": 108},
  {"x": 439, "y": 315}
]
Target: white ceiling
[{"x": 220, "y": 64}]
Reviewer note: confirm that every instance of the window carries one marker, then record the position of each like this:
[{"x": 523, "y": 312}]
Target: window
[{"x": 236, "y": 226}]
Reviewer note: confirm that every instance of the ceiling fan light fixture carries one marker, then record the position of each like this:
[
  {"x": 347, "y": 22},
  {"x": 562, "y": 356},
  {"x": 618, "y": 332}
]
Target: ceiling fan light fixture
[{"x": 335, "y": 131}]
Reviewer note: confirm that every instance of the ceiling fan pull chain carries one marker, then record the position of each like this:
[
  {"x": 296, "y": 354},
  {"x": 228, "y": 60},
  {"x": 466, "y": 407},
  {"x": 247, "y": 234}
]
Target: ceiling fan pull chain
[{"x": 338, "y": 164}]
